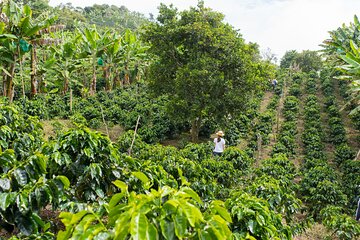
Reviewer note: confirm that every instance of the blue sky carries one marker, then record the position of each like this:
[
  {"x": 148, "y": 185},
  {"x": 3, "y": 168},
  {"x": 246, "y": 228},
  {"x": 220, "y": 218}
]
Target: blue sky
[{"x": 278, "y": 25}]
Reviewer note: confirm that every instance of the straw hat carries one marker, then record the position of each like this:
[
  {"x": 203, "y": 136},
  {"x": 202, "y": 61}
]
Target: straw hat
[{"x": 220, "y": 133}]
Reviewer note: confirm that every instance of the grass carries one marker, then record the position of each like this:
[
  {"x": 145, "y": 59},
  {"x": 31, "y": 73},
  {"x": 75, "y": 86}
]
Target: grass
[{"x": 50, "y": 127}]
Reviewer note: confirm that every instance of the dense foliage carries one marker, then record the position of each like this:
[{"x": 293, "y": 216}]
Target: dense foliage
[
  {"x": 287, "y": 164},
  {"x": 204, "y": 66}
]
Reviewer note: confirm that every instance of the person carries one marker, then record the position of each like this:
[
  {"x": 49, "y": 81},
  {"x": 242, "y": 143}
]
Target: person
[
  {"x": 219, "y": 144},
  {"x": 274, "y": 83},
  {"x": 358, "y": 211}
]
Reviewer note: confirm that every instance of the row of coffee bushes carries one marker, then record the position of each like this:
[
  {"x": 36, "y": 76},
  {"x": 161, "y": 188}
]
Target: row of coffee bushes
[
  {"x": 263, "y": 125},
  {"x": 273, "y": 180},
  {"x": 344, "y": 155},
  {"x": 337, "y": 133},
  {"x": 286, "y": 141},
  {"x": 239, "y": 127},
  {"x": 320, "y": 187}
]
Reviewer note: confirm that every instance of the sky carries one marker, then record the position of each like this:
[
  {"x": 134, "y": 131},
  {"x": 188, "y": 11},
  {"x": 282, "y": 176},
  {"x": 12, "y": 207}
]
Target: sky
[{"x": 278, "y": 25}]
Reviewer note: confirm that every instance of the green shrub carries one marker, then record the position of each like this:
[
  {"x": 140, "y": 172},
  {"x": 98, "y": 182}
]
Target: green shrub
[
  {"x": 95, "y": 123},
  {"x": 252, "y": 217},
  {"x": 197, "y": 152},
  {"x": 239, "y": 158},
  {"x": 342, "y": 153},
  {"x": 344, "y": 226},
  {"x": 164, "y": 213}
]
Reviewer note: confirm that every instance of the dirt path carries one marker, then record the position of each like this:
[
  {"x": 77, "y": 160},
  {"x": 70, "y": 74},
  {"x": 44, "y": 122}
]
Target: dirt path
[
  {"x": 265, "y": 101},
  {"x": 261, "y": 152},
  {"x": 279, "y": 119}
]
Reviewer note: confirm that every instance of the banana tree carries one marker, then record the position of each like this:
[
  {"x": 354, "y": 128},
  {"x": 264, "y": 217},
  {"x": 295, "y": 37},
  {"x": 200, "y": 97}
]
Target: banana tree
[
  {"x": 66, "y": 62},
  {"x": 352, "y": 67},
  {"x": 24, "y": 34},
  {"x": 109, "y": 57},
  {"x": 344, "y": 44},
  {"x": 93, "y": 43},
  {"x": 11, "y": 16},
  {"x": 7, "y": 50},
  {"x": 134, "y": 56}
]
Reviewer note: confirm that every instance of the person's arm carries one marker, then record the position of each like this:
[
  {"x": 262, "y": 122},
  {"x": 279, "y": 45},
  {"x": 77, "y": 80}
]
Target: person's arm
[{"x": 358, "y": 211}]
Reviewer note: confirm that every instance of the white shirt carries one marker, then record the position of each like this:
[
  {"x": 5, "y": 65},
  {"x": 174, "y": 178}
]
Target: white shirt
[{"x": 219, "y": 146}]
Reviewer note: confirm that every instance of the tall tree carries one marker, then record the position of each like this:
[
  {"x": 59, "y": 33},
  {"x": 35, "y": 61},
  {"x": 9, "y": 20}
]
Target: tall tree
[
  {"x": 308, "y": 60},
  {"x": 288, "y": 59},
  {"x": 203, "y": 65}
]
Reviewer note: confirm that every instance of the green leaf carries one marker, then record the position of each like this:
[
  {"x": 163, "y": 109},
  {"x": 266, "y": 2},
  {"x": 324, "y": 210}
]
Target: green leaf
[
  {"x": 21, "y": 177},
  {"x": 143, "y": 178},
  {"x": 4, "y": 70},
  {"x": 100, "y": 192},
  {"x": 6, "y": 199},
  {"x": 219, "y": 227},
  {"x": 192, "y": 194},
  {"x": 65, "y": 181},
  {"x": 138, "y": 226},
  {"x": 5, "y": 184},
  {"x": 25, "y": 225},
  {"x": 152, "y": 232},
  {"x": 40, "y": 161},
  {"x": 167, "y": 229},
  {"x": 22, "y": 202},
  {"x": 10, "y": 36},
  {"x": 204, "y": 235},
  {"x": 171, "y": 205},
  {"x": 37, "y": 219},
  {"x": 27, "y": 10},
  {"x": 181, "y": 224},
  {"x": 356, "y": 20},
  {"x": 76, "y": 218},
  {"x": 347, "y": 59},
  {"x": 65, "y": 218},
  {"x": 223, "y": 213},
  {"x": 193, "y": 214},
  {"x": 121, "y": 185},
  {"x": 261, "y": 220},
  {"x": 103, "y": 236},
  {"x": 115, "y": 199},
  {"x": 250, "y": 226},
  {"x": 122, "y": 226},
  {"x": 354, "y": 48}
]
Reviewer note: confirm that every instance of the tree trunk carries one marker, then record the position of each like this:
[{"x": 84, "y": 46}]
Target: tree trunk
[
  {"x": 33, "y": 72},
  {"x": 126, "y": 76},
  {"x": 5, "y": 79},
  {"x": 106, "y": 71},
  {"x": 22, "y": 76},
  {"x": 117, "y": 82},
  {"x": 93, "y": 80},
  {"x": 195, "y": 129},
  {"x": 66, "y": 85},
  {"x": 10, "y": 83}
]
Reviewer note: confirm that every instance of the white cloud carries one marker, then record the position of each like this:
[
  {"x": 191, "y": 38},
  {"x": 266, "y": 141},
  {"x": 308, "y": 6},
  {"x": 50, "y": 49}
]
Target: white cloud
[{"x": 276, "y": 24}]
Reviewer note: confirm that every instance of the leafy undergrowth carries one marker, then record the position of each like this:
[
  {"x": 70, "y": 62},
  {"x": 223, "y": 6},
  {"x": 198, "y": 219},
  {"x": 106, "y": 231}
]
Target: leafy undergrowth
[{"x": 50, "y": 128}]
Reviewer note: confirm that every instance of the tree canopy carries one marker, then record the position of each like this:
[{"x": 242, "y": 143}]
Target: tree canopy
[
  {"x": 203, "y": 64},
  {"x": 307, "y": 60}
]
